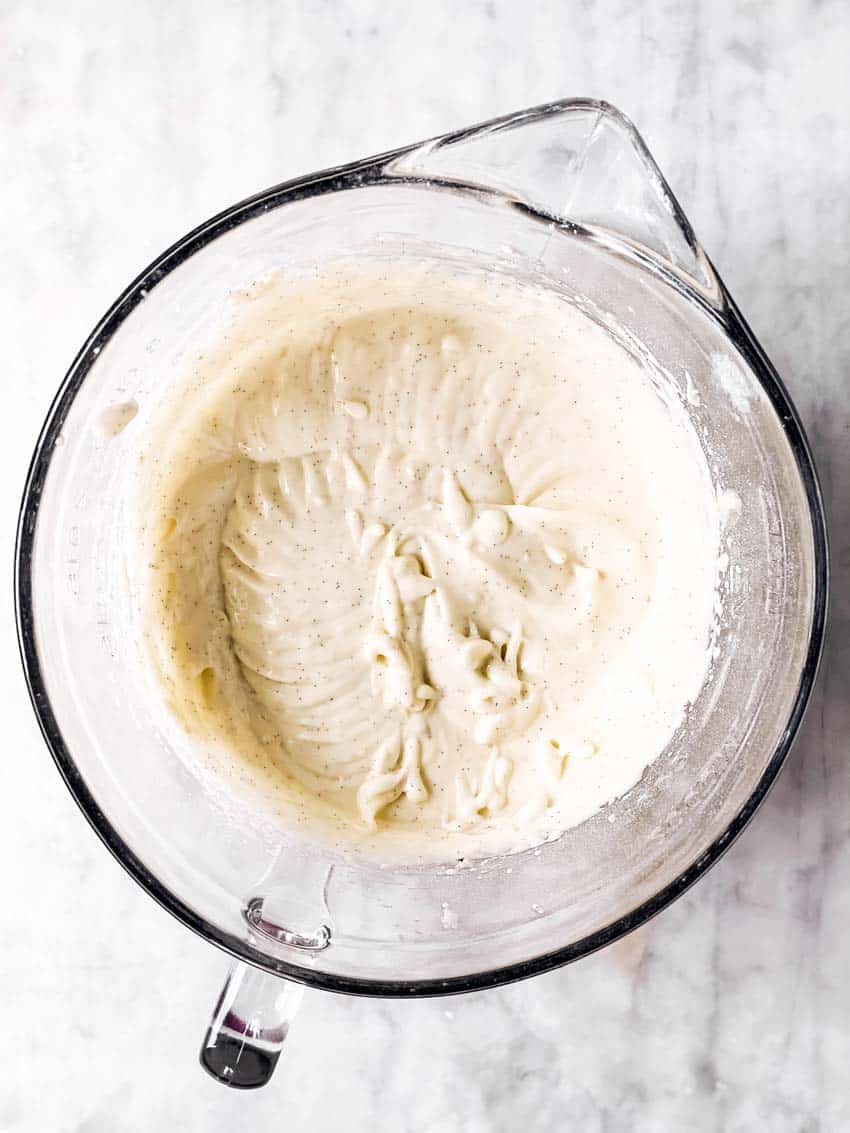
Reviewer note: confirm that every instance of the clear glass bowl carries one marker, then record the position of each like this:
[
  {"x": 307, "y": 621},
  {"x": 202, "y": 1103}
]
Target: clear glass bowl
[{"x": 567, "y": 195}]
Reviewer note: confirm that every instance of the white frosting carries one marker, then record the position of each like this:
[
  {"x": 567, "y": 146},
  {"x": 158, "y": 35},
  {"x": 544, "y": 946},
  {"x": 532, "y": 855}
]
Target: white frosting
[{"x": 431, "y": 560}]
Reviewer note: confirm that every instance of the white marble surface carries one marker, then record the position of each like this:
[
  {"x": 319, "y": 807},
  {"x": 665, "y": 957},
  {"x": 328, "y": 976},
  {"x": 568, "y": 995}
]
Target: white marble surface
[{"x": 124, "y": 124}]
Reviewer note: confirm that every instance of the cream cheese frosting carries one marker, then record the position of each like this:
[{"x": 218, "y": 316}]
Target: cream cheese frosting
[{"x": 429, "y": 559}]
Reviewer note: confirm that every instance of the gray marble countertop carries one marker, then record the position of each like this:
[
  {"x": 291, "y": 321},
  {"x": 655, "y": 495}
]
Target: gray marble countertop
[{"x": 125, "y": 124}]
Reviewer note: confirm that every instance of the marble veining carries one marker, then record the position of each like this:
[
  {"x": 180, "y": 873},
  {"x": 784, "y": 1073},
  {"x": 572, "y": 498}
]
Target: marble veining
[{"x": 127, "y": 124}]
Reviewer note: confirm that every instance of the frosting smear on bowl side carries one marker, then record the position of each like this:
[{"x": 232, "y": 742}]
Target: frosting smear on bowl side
[{"x": 429, "y": 559}]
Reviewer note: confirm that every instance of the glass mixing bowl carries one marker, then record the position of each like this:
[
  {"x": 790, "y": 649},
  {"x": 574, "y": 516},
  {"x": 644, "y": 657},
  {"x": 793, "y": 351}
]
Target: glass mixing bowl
[{"x": 567, "y": 195}]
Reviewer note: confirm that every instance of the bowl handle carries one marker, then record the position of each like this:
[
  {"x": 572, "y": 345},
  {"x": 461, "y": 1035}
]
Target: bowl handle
[{"x": 249, "y": 1027}]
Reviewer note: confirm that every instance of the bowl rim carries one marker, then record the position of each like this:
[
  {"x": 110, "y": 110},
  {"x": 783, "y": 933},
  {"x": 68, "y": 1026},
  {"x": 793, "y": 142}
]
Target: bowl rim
[{"x": 374, "y": 170}]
